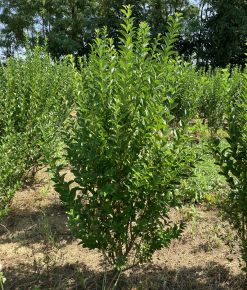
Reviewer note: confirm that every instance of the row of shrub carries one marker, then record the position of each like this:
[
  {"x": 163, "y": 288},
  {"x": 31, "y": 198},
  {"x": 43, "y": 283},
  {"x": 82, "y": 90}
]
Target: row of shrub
[
  {"x": 129, "y": 143},
  {"x": 36, "y": 96}
]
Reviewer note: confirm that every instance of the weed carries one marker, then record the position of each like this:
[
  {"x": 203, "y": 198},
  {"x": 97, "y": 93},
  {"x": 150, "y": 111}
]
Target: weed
[
  {"x": 191, "y": 214},
  {"x": 2, "y": 280}
]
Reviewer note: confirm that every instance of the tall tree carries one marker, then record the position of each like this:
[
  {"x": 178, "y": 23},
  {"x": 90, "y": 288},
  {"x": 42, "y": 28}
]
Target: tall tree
[
  {"x": 227, "y": 32},
  {"x": 219, "y": 33},
  {"x": 17, "y": 18},
  {"x": 69, "y": 25}
]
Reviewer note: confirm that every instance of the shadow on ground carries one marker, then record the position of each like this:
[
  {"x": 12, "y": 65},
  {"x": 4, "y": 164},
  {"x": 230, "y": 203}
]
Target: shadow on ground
[
  {"x": 25, "y": 225},
  {"x": 212, "y": 277}
]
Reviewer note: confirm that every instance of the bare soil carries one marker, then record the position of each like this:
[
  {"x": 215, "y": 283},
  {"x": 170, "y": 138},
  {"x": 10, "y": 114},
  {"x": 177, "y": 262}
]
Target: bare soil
[{"x": 37, "y": 251}]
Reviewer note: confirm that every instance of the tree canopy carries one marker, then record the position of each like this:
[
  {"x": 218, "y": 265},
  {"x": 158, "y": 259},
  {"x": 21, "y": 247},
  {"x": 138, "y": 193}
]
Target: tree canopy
[{"x": 214, "y": 31}]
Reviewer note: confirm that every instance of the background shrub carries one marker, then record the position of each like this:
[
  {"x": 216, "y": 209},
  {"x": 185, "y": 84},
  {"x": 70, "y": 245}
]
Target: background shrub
[
  {"x": 184, "y": 86},
  {"x": 215, "y": 97},
  {"x": 36, "y": 96}
]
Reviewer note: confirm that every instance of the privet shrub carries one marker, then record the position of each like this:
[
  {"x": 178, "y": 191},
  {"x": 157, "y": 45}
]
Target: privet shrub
[
  {"x": 183, "y": 85},
  {"x": 125, "y": 157},
  {"x": 215, "y": 97},
  {"x": 233, "y": 160},
  {"x": 36, "y": 95}
]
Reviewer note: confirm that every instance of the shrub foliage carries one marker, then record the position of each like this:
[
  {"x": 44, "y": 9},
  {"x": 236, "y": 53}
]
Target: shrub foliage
[
  {"x": 215, "y": 97},
  {"x": 233, "y": 159},
  {"x": 124, "y": 152},
  {"x": 36, "y": 95}
]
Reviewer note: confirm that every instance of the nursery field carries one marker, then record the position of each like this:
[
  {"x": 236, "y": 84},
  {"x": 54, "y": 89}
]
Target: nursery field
[{"x": 123, "y": 169}]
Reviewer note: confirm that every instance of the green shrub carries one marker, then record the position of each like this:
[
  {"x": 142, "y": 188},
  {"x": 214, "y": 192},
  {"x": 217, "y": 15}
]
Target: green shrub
[
  {"x": 183, "y": 85},
  {"x": 233, "y": 159},
  {"x": 215, "y": 97},
  {"x": 36, "y": 95},
  {"x": 125, "y": 156}
]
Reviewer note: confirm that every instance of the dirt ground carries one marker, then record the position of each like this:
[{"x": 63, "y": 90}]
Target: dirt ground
[{"x": 37, "y": 251}]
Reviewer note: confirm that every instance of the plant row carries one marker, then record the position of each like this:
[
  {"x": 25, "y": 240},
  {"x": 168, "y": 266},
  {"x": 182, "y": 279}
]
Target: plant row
[{"x": 121, "y": 122}]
